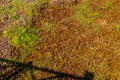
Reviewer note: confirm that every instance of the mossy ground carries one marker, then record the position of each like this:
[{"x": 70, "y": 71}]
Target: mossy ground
[{"x": 78, "y": 37}]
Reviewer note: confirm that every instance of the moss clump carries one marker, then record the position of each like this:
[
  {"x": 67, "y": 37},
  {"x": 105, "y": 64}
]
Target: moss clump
[{"x": 21, "y": 36}]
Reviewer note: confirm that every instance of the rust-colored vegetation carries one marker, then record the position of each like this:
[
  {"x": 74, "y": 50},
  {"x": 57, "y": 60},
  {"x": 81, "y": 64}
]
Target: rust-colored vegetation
[{"x": 73, "y": 37}]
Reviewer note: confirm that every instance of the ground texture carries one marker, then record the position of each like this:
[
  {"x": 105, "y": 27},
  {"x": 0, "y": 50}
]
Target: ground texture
[{"x": 75, "y": 37}]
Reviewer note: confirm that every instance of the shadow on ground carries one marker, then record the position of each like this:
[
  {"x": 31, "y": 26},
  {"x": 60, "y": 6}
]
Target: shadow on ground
[{"x": 19, "y": 67}]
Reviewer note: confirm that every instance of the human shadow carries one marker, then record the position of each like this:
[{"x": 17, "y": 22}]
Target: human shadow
[{"x": 23, "y": 67}]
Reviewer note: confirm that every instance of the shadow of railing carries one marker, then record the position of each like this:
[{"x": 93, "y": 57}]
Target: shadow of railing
[{"x": 22, "y": 67}]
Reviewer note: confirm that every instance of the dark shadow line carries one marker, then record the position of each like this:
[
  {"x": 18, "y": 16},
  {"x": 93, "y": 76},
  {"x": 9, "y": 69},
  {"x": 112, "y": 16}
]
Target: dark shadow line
[
  {"x": 87, "y": 75},
  {"x": 41, "y": 69}
]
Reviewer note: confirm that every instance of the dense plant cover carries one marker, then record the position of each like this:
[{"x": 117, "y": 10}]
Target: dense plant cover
[
  {"x": 73, "y": 36},
  {"x": 21, "y": 36}
]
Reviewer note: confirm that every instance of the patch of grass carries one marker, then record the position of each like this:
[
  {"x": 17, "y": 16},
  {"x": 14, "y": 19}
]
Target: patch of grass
[
  {"x": 108, "y": 3},
  {"x": 48, "y": 26},
  {"x": 20, "y": 13},
  {"x": 18, "y": 10},
  {"x": 84, "y": 14},
  {"x": 21, "y": 36}
]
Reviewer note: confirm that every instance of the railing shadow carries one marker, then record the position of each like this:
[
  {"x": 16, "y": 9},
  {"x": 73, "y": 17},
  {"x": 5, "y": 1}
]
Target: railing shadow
[{"x": 22, "y": 67}]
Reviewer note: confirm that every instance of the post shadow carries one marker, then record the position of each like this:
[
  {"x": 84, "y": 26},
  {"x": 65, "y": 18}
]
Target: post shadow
[{"x": 29, "y": 66}]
